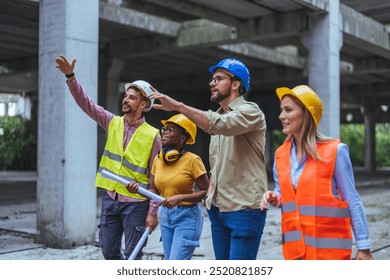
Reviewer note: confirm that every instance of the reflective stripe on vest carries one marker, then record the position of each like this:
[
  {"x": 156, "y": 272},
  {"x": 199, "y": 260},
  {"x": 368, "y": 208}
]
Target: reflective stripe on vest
[
  {"x": 129, "y": 179},
  {"x": 291, "y": 236},
  {"x": 315, "y": 210},
  {"x": 126, "y": 163},
  {"x": 328, "y": 243},
  {"x": 315, "y": 225},
  {"x": 289, "y": 207},
  {"x": 132, "y": 163},
  {"x": 321, "y": 243},
  {"x": 324, "y": 211}
]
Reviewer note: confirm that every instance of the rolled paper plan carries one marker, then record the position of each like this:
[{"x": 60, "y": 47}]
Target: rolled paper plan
[
  {"x": 109, "y": 175},
  {"x": 139, "y": 244}
]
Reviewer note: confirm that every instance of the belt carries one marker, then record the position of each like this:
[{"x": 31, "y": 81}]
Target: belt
[
  {"x": 183, "y": 206},
  {"x": 186, "y": 206}
]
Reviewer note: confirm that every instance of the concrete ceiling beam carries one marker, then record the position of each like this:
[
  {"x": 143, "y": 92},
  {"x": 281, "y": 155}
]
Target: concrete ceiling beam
[{"x": 26, "y": 81}]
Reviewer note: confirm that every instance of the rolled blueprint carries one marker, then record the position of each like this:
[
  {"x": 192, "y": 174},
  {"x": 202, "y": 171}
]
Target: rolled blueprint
[
  {"x": 139, "y": 244},
  {"x": 109, "y": 175}
]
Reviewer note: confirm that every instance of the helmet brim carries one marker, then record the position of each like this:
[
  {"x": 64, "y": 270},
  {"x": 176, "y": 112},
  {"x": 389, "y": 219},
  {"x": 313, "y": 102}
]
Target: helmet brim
[
  {"x": 190, "y": 140},
  {"x": 128, "y": 85},
  {"x": 283, "y": 91}
]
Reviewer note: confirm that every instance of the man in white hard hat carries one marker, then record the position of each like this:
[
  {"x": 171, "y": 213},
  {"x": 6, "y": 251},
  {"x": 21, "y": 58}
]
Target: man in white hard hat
[{"x": 122, "y": 212}]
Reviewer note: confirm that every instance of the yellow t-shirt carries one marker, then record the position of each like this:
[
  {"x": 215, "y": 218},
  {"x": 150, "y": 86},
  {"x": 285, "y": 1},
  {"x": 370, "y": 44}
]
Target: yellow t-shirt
[{"x": 178, "y": 178}]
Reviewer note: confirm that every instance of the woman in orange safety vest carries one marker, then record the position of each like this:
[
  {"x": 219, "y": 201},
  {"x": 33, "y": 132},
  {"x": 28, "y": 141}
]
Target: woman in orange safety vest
[{"x": 314, "y": 186}]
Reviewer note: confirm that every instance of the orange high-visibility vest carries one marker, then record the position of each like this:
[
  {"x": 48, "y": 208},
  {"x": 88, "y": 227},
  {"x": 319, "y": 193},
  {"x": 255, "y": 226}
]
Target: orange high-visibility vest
[{"x": 315, "y": 224}]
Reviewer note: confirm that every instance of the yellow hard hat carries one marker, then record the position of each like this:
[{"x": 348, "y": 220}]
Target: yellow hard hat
[
  {"x": 184, "y": 123},
  {"x": 307, "y": 96}
]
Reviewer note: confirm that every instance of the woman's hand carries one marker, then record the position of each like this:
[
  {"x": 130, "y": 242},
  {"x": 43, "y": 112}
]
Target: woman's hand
[
  {"x": 172, "y": 201},
  {"x": 364, "y": 255},
  {"x": 269, "y": 197}
]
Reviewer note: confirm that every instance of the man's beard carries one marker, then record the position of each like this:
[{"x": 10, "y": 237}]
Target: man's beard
[
  {"x": 220, "y": 96},
  {"x": 128, "y": 109}
]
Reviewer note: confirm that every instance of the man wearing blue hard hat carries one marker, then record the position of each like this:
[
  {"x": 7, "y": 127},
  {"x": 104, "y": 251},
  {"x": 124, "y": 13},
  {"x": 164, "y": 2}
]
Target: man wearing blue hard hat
[{"x": 238, "y": 175}]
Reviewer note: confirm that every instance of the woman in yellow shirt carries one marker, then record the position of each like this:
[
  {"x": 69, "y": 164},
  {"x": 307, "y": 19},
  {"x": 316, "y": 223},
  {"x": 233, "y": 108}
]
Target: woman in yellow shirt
[{"x": 176, "y": 173}]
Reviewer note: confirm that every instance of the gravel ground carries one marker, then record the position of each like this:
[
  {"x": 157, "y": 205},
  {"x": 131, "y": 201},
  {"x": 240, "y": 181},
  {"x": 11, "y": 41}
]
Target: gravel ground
[{"x": 18, "y": 218}]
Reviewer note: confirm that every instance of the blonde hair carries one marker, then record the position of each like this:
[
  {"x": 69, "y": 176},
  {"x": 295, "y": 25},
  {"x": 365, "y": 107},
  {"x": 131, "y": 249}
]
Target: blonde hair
[{"x": 309, "y": 134}]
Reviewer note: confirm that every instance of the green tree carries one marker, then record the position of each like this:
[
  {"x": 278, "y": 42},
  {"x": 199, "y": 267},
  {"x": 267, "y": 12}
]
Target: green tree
[
  {"x": 277, "y": 139},
  {"x": 353, "y": 136},
  {"x": 18, "y": 144},
  {"x": 382, "y": 147}
]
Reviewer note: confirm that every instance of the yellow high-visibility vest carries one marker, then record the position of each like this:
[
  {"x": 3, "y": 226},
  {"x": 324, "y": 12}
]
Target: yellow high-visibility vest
[{"x": 132, "y": 163}]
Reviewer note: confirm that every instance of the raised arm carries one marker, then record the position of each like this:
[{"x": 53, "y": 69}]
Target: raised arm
[{"x": 169, "y": 104}]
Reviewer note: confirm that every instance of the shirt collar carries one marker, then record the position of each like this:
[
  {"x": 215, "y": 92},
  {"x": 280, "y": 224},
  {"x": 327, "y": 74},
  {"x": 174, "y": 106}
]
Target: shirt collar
[
  {"x": 293, "y": 153},
  {"x": 137, "y": 123},
  {"x": 232, "y": 106}
]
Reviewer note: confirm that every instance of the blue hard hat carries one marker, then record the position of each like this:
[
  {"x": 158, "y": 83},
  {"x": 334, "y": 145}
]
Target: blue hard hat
[{"x": 236, "y": 67}]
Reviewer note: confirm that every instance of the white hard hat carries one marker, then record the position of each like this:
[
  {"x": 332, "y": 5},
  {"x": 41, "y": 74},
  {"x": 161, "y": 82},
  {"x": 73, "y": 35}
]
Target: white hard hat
[{"x": 144, "y": 88}]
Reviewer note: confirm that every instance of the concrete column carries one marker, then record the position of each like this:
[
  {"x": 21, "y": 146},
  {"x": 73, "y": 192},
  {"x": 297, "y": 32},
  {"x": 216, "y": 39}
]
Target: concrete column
[
  {"x": 6, "y": 109},
  {"x": 66, "y": 196},
  {"x": 324, "y": 41},
  {"x": 369, "y": 143},
  {"x": 102, "y": 98}
]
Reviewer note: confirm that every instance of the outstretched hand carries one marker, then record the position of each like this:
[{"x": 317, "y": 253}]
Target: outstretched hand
[
  {"x": 167, "y": 103},
  {"x": 64, "y": 65}
]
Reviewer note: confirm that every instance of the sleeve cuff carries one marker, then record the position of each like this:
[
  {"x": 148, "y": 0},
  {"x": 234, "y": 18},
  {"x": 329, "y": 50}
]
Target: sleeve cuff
[
  {"x": 363, "y": 244},
  {"x": 209, "y": 115},
  {"x": 153, "y": 208}
]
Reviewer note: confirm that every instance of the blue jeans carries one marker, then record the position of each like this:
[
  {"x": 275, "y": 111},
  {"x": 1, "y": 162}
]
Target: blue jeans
[
  {"x": 236, "y": 235},
  {"x": 118, "y": 218},
  {"x": 181, "y": 228}
]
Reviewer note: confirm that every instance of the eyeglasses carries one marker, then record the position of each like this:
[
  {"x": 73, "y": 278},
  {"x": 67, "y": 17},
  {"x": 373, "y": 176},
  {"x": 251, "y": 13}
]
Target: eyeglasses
[
  {"x": 168, "y": 129},
  {"x": 217, "y": 79}
]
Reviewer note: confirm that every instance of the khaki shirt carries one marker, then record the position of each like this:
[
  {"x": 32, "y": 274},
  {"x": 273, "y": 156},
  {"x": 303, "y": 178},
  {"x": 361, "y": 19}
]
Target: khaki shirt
[{"x": 237, "y": 159}]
